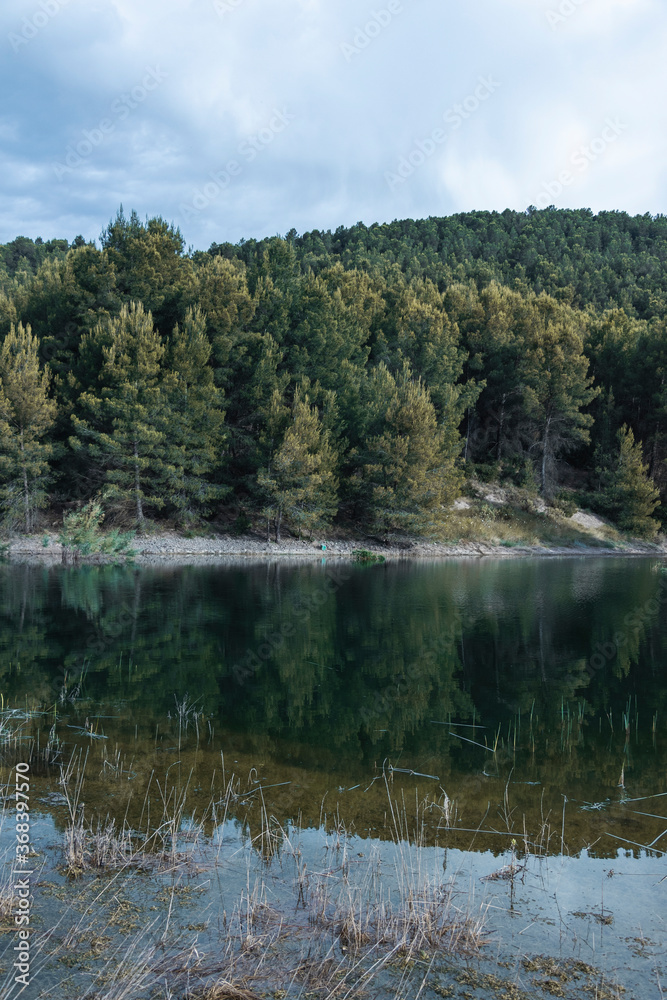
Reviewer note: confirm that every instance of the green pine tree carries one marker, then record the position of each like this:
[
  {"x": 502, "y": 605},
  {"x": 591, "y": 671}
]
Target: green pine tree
[
  {"x": 300, "y": 482},
  {"x": 629, "y": 495},
  {"x": 556, "y": 388},
  {"x": 194, "y": 435},
  {"x": 27, "y": 413},
  {"x": 407, "y": 474},
  {"x": 121, "y": 424}
]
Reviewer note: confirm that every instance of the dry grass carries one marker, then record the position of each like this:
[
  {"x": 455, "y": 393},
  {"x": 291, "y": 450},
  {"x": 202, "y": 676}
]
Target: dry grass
[
  {"x": 519, "y": 519},
  {"x": 104, "y": 845},
  {"x": 330, "y": 934},
  {"x": 223, "y": 991},
  {"x": 16, "y": 744},
  {"x": 8, "y": 900}
]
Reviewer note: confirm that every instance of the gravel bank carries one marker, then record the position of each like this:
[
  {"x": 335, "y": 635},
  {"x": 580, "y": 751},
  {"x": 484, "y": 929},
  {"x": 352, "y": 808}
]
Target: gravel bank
[{"x": 173, "y": 548}]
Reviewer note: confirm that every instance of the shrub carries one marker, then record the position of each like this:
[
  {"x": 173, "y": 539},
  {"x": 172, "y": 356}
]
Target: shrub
[
  {"x": 81, "y": 536},
  {"x": 364, "y": 556},
  {"x": 565, "y": 501},
  {"x": 242, "y": 524},
  {"x": 487, "y": 473}
]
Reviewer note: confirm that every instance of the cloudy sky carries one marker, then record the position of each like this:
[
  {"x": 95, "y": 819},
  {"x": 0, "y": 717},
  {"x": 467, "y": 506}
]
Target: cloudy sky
[{"x": 242, "y": 118}]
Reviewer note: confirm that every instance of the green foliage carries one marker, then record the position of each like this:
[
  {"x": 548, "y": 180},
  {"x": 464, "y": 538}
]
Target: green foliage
[
  {"x": 364, "y": 556},
  {"x": 512, "y": 344},
  {"x": 242, "y": 524},
  {"x": 27, "y": 413},
  {"x": 566, "y": 501},
  {"x": 81, "y": 536},
  {"x": 300, "y": 483},
  {"x": 556, "y": 389},
  {"x": 122, "y": 424},
  {"x": 486, "y": 473},
  {"x": 193, "y": 421},
  {"x": 407, "y": 476},
  {"x": 628, "y": 495}
]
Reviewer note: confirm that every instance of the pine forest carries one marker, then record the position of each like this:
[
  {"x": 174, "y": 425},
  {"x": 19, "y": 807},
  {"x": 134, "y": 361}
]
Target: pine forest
[{"x": 360, "y": 378}]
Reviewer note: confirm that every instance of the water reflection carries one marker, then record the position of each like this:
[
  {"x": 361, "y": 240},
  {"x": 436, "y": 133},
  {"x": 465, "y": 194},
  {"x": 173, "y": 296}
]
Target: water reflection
[{"x": 477, "y": 672}]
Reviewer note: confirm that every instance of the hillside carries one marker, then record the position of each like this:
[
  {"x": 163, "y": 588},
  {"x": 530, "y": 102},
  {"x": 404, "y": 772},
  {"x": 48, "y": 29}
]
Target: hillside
[{"x": 360, "y": 377}]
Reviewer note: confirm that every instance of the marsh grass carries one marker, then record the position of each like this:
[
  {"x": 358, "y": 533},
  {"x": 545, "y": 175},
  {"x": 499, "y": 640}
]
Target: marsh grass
[
  {"x": 356, "y": 927},
  {"x": 330, "y": 933},
  {"x": 223, "y": 991},
  {"x": 21, "y": 741},
  {"x": 345, "y": 928},
  {"x": 8, "y": 898}
]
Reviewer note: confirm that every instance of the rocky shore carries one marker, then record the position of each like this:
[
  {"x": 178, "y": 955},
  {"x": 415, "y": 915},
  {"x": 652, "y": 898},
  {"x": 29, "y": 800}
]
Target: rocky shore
[{"x": 173, "y": 548}]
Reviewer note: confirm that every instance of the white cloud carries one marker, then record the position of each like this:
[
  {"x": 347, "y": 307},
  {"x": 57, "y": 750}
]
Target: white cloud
[{"x": 353, "y": 118}]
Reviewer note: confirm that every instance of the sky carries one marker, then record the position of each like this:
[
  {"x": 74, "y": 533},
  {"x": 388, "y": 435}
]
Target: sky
[{"x": 248, "y": 118}]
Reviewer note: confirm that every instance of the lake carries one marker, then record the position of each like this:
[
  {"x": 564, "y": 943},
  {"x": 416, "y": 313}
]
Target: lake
[{"x": 250, "y": 758}]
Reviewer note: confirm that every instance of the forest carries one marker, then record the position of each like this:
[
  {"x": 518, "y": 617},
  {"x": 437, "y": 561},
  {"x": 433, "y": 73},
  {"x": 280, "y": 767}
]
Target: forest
[{"x": 357, "y": 378}]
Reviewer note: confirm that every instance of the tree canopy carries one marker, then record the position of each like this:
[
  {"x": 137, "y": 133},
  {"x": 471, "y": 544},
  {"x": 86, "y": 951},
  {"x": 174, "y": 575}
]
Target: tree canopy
[{"x": 355, "y": 375}]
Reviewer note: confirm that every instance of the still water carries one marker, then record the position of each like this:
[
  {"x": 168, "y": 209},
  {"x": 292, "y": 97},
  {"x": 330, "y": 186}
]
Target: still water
[{"x": 513, "y": 708}]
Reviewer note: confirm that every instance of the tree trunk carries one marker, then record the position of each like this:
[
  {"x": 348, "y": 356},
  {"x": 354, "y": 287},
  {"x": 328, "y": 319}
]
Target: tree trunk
[
  {"x": 465, "y": 454},
  {"x": 137, "y": 490},
  {"x": 26, "y": 495},
  {"x": 545, "y": 443},
  {"x": 654, "y": 452},
  {"x": 501, "y": 427},
  {"x": 279, "y": 517}
]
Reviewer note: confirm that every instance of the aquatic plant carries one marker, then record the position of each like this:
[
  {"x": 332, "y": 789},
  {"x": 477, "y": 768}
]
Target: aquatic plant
[{"x": 364, "y": 556}]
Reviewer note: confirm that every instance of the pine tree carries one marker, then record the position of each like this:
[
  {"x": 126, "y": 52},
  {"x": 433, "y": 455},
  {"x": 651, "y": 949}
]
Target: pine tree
[
  {"x": 408, "y": 478},
  {"x": 194, "y": 435},
  {"x": 26, "y": 415},
  {"x": 300, "y": 482},
  {"x": 556, "y": 387},
  {"x": 629, "y": 495},
  {"x": 150, "y": 265},
  {"x": 121, "y": 425},
  {"x": 425, "y": 336}
]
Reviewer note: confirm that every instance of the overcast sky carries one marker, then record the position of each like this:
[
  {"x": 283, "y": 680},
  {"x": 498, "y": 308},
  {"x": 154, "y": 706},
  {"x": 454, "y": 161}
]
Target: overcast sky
[{"x": 246, "y": 118}]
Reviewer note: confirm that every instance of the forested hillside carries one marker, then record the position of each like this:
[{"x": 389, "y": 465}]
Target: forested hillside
[{"x": 357, "y": 376}]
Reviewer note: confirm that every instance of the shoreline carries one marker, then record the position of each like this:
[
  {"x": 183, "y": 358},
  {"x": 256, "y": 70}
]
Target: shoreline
[{"x": 169, "y": 548}]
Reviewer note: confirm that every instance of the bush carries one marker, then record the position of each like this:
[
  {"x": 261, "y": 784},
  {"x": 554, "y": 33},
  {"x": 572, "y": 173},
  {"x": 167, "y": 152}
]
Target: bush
[
  {"x": 487, "y": 473},
  {"x": 565, "y": 501},
  {"x": 242, "y": 524},
  {"x": 364, "y": 556},
  {"x": 81, "y": 536},
  {"x": 487, "y": 512}
]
